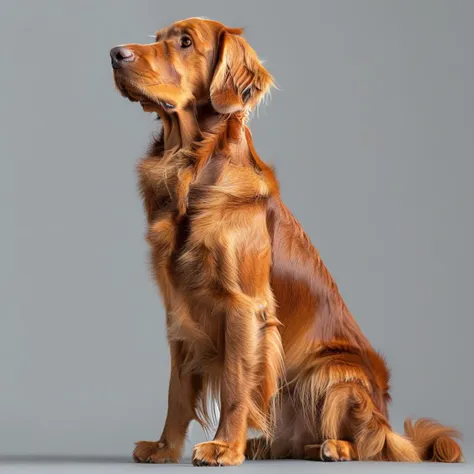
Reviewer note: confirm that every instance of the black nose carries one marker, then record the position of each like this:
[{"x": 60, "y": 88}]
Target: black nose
[{"x": 120, "y": 55}]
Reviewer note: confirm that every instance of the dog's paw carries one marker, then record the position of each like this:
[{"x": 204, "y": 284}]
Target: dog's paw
[
  {"x": 335, "y": 450},
  {"x": 216, "y": 453},
  {"x": 332, "y": 450},
  {"x": 153, "y": 452}
]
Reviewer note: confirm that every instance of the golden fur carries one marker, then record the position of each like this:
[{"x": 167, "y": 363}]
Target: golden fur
[{"x": 254, "y": 319}]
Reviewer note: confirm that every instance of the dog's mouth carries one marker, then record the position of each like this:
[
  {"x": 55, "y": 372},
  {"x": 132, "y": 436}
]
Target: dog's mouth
[{"x": 150, "y": 95}]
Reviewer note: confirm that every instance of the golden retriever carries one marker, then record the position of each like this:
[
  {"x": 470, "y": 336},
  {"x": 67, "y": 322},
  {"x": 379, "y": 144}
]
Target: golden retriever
[{"x": 254, "y": 319}]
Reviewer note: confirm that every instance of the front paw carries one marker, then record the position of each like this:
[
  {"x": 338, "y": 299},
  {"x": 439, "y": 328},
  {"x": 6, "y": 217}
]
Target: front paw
[
  {"x": 154, "y": 452},
  {"x": 216, "y": 453}
]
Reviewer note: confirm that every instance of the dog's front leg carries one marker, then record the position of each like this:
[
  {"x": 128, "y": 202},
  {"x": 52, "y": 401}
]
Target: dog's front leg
[
  {"x": 184, "y": 389},
  {"x": 237, "y": 384}
]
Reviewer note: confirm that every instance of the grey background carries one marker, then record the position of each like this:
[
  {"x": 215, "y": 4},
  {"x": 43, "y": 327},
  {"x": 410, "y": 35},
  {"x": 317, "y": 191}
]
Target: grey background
[{"x": 372, "y": 135}]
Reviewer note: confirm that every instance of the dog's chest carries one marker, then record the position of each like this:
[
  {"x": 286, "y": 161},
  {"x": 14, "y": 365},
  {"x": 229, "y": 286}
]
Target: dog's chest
[
  {"x": 191, "y": 251},
  {"x": 186, "y": 260},
  {"x": 174, "y": 237},
  {"x": 172, "y": 228}
]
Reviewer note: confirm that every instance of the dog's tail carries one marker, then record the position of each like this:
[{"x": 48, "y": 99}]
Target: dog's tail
[
  {"x": 433, "y": 441},
  {"x": 425, "y": 440}
]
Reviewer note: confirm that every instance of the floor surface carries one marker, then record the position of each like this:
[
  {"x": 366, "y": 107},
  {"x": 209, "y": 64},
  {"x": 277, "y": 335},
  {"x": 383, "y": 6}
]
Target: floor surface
[{"x": 71, "y": 465}]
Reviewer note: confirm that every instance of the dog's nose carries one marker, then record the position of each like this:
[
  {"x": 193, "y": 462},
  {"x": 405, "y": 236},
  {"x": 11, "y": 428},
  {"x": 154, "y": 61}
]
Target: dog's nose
[{"x": 119, "y": 55}]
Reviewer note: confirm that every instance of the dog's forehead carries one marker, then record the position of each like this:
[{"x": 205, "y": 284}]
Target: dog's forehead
[{"x": 202, "y": 27}]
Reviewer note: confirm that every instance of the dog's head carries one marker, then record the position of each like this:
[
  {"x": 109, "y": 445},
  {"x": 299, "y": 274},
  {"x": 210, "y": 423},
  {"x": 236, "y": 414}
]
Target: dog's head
[{"x": 192, "y": 61}]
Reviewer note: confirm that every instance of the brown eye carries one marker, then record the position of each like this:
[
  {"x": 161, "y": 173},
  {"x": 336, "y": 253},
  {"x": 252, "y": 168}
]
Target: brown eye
[{"x": 185, "y": 42}]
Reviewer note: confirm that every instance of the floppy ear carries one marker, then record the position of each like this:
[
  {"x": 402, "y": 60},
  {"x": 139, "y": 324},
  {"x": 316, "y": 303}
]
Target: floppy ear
[{"x": 240, "y": 81}]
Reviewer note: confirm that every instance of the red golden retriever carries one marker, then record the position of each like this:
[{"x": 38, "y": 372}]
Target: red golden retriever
[{"x": 254, "y": 319}]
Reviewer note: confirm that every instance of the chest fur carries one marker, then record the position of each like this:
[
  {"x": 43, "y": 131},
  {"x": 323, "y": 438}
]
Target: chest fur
[{"x": 181, "y": 200}]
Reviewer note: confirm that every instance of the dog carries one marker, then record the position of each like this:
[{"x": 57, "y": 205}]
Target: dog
[{"x": 254, "y": 319}]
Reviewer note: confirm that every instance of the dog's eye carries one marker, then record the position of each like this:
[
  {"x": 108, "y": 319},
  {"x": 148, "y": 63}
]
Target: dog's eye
[{"x": 185, "y": 42}]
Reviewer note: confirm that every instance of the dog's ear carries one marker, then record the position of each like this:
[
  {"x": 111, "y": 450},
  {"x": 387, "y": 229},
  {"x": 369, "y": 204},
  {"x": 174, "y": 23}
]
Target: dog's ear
[{"x": 240, "y": 81}]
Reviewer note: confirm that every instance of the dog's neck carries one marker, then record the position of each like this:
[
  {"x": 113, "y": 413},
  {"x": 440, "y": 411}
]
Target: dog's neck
[
  {"x": 180, "y": 128},
  {"x": 184, "y": 127},
  {"x": 189, "y": 141}
]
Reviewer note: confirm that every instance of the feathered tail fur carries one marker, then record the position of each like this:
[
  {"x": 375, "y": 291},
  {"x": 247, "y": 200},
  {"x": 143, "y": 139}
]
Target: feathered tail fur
[{"x": 433, "y": 441}]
